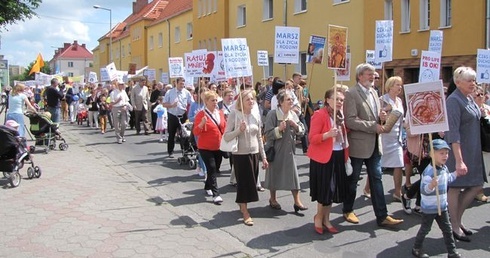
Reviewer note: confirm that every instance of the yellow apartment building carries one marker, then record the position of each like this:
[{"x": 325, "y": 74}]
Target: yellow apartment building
[
  {"x": 210, "y": 23},
  {"x": 462, "y": 23}
]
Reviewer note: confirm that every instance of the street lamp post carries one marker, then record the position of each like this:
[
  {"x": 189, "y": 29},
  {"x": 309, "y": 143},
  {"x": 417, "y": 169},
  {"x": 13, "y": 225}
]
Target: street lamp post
[{"x": 110, "y": 28}]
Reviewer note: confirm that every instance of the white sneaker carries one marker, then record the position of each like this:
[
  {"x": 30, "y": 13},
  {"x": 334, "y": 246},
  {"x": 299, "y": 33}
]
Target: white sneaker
[
  {"x": 218, "y": 200},
  {"x": 124, "y": 139},
  {"x": 119, "y": 141},
  {"x": 202, "y": 173},
  {"x": 161, "y": 140},
  {"x": 198, "y": 170},
  {"x": 209, "y": 193}
]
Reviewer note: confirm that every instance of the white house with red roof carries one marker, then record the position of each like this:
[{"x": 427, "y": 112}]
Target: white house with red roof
[{"x": 72, "y": 60}]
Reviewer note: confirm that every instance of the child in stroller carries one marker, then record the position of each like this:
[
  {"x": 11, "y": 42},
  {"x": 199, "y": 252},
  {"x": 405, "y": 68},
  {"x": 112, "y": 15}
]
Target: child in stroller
[
  {"x": 45, "y": 131},
  {"x": 82, "y": 112},
  {"x": 187, "y": 145},
  {"x": 14, "y": 154}
]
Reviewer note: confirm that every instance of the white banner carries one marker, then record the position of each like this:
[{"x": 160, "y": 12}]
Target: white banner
[
  {"x": 370, "y": 59},
  {"x": 483, "y": 66},
  {"x": 122, "y": 76},
  {"x": 164, "y": 78},
  {"x": 92, "y": 77},
  {"x": 151, "y": 74},
  {"x": 384, "y": 41},
  {"x": 218, "y": 73},
  {"x": 430, "y": 66},
  {"x": 286, "y": 50},
  {"x": 435, "y": 41},
  {"x": 104, "y": 75},
  {"x": 176, "y": 66},
  {"x": 43, "y": 79},
  {"x": 427, "y": 106},
  {"x": 195, "y": 62},
  {"x": 262, "y": 58},
  {"x": 236, "y": 57},
  {"x": 112, "y": 71},
  {"x": 344, "y": 74}
]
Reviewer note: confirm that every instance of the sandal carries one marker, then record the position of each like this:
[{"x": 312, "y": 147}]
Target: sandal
[{"x": 248, "y": 221}]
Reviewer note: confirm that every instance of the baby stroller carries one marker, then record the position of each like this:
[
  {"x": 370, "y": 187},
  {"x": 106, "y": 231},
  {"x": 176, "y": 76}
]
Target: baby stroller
[
  {"x": 187, "y": 145},
  {"x": 13, "y": 156},
  {"x": 82, "y": 114},
  {"x": 46, "y": 133}
]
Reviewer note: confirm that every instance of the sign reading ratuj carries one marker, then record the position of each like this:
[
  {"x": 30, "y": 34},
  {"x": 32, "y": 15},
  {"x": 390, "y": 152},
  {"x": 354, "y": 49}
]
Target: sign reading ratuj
[
  {"x": 286, "y": 50},
  {"x": 384, "y": 41},
  {"x": 236, "y": 57},
  {"x": 483, "y": 66}
]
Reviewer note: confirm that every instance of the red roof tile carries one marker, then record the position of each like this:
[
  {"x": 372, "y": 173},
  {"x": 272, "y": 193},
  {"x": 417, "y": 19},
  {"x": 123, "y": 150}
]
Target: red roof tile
[{"x": 74, "y": 51}]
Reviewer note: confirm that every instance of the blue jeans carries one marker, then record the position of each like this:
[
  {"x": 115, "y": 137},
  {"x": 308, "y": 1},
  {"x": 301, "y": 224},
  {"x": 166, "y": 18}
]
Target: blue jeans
[
  {"x": 19, "y": 118},
  {"x": 373, "y": 165},
  {"x": 55, "y": 114}
]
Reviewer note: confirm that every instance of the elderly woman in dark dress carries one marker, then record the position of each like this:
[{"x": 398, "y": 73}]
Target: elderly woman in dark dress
[
  {"x": 281, "y": 127},
  {"x": 466, "y": 155}
]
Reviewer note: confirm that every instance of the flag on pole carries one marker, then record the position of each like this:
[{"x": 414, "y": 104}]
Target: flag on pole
[{"x": 36, "y": 68}]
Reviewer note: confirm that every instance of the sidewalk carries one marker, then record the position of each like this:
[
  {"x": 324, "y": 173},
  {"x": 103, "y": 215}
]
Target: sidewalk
[{"x": 85, "y": 206}]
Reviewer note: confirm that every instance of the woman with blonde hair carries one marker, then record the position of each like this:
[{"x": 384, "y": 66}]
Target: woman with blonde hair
[
  {"x": 245, "y": 125},
  {"x": 17, "y": 100}
]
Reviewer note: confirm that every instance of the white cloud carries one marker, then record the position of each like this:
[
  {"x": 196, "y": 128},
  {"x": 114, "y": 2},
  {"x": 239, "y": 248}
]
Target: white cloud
[{"x": 60, "y": 21}]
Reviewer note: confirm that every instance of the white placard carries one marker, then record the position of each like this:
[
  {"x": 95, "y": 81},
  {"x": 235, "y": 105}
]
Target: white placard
[
  {"x": 104, "y": 75},
  {"x": 286, "y": 45},
  {"x": 371, "y": 60},
  {"x": 483, "y": 66},
  {"x": 427, "y": 106},
  {"x": 195, "y": 63},
  {"x": 236, "y": 57},
  {"x": 122, "y": 76},
  {"x": 92, "y": 77},
  {"x": 435, "y": 41},
  {"x": 112, "y": 71},
  {"x": 218, "y": 73},
  {"x": 384, "y": 41},
  {"x": 344, "y": 74},
  {"x": 262, "y": 58},
  {"x": 176, "y": 66},
  {"x": 164, "y": 78},
  {"x": 430, "y": 66},
  {"x": 151, "y": 74}
]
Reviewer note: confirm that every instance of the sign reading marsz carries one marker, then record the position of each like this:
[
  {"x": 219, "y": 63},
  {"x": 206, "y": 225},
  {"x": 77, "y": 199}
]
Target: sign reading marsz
[
  {"x": 236, "y": 57},
  {"x": 286, "y": 49}
]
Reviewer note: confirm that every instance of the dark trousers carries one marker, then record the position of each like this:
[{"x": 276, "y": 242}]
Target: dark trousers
[
  {"x": 373, "y": 165},
  {"x": 212, "y": 160},
  {"x": 140, "y": 116},
  {"x": 172, "y": 126},
  {"x": 414, "y": 191},
  {"x": 153, "y": 118},
  {"x": 444, "y": 225},
  {"x": 304, "y": 138}
]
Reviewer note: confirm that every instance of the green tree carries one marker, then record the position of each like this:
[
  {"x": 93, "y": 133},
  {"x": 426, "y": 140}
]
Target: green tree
[
  {"x": 45, "y": 69},
  {"x": 12, "y": 11}
]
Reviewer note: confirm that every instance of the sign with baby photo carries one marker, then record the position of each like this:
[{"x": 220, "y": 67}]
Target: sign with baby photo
[{"x": 427, "y": 107}]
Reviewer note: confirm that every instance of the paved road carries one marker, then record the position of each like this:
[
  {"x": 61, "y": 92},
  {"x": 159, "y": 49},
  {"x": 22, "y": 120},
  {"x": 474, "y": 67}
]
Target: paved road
[{"x": 102, "y": 199}]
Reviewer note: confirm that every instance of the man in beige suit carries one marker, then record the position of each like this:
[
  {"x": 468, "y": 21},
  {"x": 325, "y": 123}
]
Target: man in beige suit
[
  {"x": 140, "y": 97},
  {"x": 363, "y": 115}
]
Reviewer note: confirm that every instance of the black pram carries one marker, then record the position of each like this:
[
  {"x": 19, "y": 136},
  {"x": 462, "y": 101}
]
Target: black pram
[
  {"x": 187, "y": 145},
  {"x": 13, "y": 156},
  {"x": 46, "y": 133}
]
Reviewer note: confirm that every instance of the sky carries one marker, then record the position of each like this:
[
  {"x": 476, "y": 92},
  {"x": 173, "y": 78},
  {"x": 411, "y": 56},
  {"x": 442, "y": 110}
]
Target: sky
[{"x": 58, "y": 22}]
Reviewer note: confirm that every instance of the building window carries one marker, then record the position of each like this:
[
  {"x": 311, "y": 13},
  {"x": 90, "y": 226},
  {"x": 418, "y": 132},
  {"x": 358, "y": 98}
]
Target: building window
[
  {"x": 150, "y": 43},
  {"x": 177, "y": 34},
  {"x": 446, "y": 13},
  {"x": 405, "y": 16},
  {"x": 241, "y": 16},
  {"x": 388, "y": 9},
  {"x": 424, "y": 14},
  {"x": 129, "y": 49},
  {"x": 189, "y": 30},
  {"x": 215, "y": 6},
  {"x": 123, "y": 51},
  {"x": 70, "y": 64},
  {"x": 301, "y": 67},
  {"x": 210, "y": 6},
  {"x": 270, "y": 68},
  {"x": 199, "y": 8},
  {"x": 160, "y": 39},
  {"x": 215, "y": 44},
  {"x": 340, "y": 1},
  {"x": 70, "y": 74},
  {"x": 268, "y": 10},
  {"x": 300, "y": 6}
]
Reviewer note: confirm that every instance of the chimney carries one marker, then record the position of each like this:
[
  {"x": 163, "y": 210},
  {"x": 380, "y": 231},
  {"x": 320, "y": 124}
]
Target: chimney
[
  {"x": 66, "y": 45},
  {"x": 138, "y": 5},
  {"x": 75, "y": 42},
  {"x": 83, "y": 45}
]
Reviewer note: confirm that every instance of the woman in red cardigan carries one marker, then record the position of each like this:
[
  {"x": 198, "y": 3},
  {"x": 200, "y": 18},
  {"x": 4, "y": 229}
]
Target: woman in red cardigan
[
  {"x": 328, "y": 153},
  {"x": 209, "y": 126}
]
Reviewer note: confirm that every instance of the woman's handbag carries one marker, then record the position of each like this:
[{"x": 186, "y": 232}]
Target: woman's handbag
[
  {"x": 231, "y": 146},
  {"x": 485, "y": 134},
  {"x": 270, "y": 153}
]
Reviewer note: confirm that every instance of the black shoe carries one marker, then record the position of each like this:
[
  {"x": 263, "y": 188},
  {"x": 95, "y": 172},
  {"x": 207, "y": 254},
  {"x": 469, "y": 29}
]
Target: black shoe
[
  {"x": 467, "y": 232},
  {"x": 461, "y": 237},
  {"x": 454, "y": 255},
  {"x": 299, "y": 208},
  {"x": 418, "y": 253}
]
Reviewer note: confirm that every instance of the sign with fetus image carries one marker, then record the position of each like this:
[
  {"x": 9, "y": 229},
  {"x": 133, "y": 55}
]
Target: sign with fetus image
[{"x": 427, "y": 107}]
